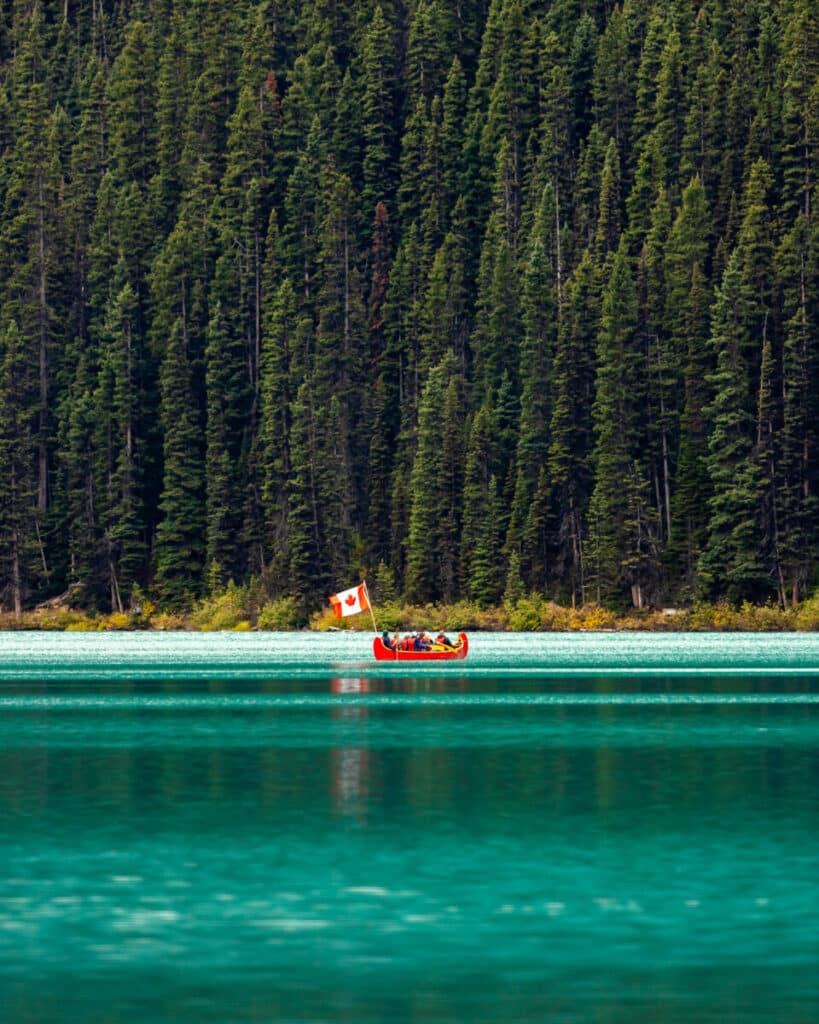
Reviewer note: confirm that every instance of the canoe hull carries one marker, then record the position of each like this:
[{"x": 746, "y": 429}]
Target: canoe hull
[{"x": 383, "y": 653}]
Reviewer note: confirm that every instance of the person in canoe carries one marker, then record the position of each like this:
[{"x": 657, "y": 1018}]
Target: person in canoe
[{"x": 417, "y": 641}]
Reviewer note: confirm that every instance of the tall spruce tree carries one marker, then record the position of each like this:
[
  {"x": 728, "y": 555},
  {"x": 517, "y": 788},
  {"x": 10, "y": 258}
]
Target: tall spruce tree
[
  {"x": 432, "y": 526},
  {"x": 540, "y": 314},
  {"x": 731, "y": 560},
  {"x": 378, "y": 109},
  {"x": 33, "y": 254},
  {"x": 180, "y": 541},
  {"x": 18, "y": 428},
  {"x": 796, "y": 267},
  {"x": 570, "y": 435},
  {"x": 622, "y": 525}
]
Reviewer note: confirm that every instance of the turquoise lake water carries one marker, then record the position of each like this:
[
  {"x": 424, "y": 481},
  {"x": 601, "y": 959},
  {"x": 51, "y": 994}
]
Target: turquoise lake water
[{"x": 247, "y": 827}]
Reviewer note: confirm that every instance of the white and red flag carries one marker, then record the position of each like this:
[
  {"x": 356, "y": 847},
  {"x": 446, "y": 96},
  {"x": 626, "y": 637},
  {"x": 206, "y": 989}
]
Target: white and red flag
[{"x": 350, "y": 602}]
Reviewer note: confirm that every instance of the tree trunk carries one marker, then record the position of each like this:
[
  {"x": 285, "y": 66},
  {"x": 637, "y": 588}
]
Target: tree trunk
[
  {"x": 16, "y": 580},
  {"x": 116, "y": 600},
  {"x": 42, "y": 482},
  {"x": 15, "y": 577}
]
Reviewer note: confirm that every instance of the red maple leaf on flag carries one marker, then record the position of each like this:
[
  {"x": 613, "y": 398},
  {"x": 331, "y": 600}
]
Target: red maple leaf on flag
[{"x": 350, "y": 599}]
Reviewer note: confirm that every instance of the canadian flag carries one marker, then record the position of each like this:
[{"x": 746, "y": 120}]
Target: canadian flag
[{"x": 350, "y": 602}]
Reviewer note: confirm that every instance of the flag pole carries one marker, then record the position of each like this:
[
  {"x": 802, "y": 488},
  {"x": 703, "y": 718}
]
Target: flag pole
[{"x": 370, "y": 606}]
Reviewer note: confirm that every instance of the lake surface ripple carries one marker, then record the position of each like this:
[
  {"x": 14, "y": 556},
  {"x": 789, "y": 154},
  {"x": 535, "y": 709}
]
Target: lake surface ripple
[{"x": 232, "y": 828}]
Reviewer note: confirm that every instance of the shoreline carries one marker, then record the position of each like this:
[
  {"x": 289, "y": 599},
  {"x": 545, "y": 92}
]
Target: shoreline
[{"x": 534, "y": 615}]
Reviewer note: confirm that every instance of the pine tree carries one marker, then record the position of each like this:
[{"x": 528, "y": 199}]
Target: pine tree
[
  {"x": 385, "y": 399},
  {"x": 304, "y": 211},
  {"x": 570, "y": 430},
  {"x": 78, "y": 461},
  {"x": 800, "y": 69},
  {"x": 453, "y": 114},
  {"x": 429, "y": 49},
  {"x": 689, "y": 508},
  {"x": 540, "y": 314},
  {"x": 180, "y": 538},
  {"x": 308, "y": 575},
  {"x": 622, "y": 527},
  {"x": 33, "y": 251},
  {"x": 280, "y": 334},
  {"x": 341, "y": 353},
  {"x": 687, "y": 247},
  {"x": 649, "y": 182},
  {"x": 669, "y": 112},
  {"x": 173, "y": 90},
  {"x": 512, "y": 106},
  {"x": 613, "y": 82},
  {"x": 796, "y": 509},
  {"x": 226, "y": 444},
  {"x": 412, "y": 162},
  {"x": 766, "y": 463},
  {"x": 445, "y": 310},
  {"x": 731, "y": 560},
  {"x": 581, "y": 70},
  {"x": 133, "y": 102},
  {"x": 554, "y": 162},
  {"x": 480, "y": 456},
  {"x": 496, "y": 338},
  {"x": 431, "y": 512},
  {"x": 609, "y": 219},
  {"x": 661, "y": 384},
  {"x": 451, "y": 484},
  {"x": 378, "y": 106},
  {"x": 486, "y": 578},
  {"x": 18, "y": 428},
  {"x": 703, "y": 124},
  {"x": 87, "y": 166},
  {"x": 647, "y": 75},
  {"x": 120, "y": 443}
]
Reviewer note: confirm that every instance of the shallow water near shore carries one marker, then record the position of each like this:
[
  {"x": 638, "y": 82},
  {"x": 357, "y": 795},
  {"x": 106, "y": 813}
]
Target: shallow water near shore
[{"x": 606, "y": 828}]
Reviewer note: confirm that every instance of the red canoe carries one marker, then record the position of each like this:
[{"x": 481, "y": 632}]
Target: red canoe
[{"x": 383, "y": 653}]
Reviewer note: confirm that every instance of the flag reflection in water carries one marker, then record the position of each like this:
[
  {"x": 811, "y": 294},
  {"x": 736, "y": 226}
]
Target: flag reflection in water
[{"x": 351, "y": 764}]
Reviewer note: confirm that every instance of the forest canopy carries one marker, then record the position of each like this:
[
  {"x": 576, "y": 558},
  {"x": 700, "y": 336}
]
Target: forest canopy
[{"x": 469, "y": 294}]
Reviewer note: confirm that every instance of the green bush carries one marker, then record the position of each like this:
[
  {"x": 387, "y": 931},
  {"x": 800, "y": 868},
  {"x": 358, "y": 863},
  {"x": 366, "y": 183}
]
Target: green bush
[
  {"x": 526, "y": 616},
  {"x": 282, "y": 615},
  {"x": 765, "y": 618},
  {"x": 806, "y": 616},
  {"x": 461, "y": 615},
  {"x": 82, "y": 626},
  {"x": 222, "y": 611},
  {"x": 387, "y": 616}
]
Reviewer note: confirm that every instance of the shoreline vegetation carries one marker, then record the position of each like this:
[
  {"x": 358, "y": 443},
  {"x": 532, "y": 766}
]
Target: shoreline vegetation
[{"x": 244, "y": 609}]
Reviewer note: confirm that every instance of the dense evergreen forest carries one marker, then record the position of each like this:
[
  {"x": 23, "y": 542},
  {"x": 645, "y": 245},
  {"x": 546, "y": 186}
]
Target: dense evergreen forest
[{"x": 466, "y": 294}]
